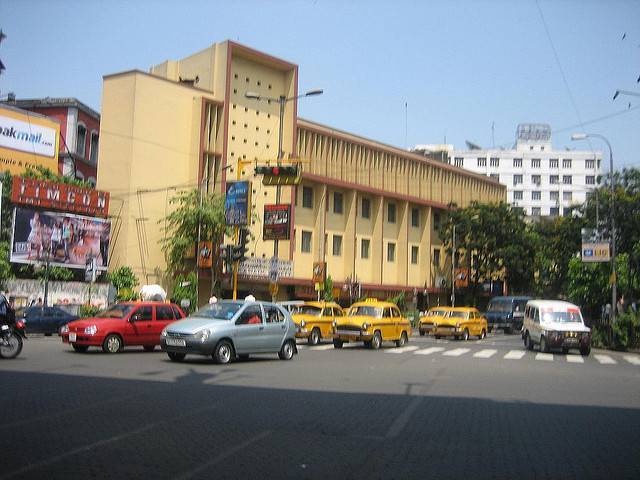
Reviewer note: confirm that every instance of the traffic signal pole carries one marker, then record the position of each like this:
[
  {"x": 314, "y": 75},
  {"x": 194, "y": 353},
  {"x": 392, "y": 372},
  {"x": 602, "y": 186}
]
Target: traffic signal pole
[{"x": 282, "y": 102}]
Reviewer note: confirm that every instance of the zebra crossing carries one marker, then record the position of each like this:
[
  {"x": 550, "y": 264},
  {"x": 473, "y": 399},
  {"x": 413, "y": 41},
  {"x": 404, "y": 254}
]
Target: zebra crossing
[{"x": 490, "y": 353}]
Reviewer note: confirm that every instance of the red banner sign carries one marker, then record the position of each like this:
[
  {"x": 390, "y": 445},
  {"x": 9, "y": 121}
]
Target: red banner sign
[{"x": 59, "y": 196}]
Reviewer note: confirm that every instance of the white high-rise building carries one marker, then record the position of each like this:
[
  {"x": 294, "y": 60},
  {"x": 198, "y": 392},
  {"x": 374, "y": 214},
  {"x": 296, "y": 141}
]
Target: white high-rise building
[{"x": 540, "y": 180}]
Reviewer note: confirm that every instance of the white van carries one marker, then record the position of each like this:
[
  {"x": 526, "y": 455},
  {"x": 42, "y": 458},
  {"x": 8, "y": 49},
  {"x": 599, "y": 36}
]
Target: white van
[{"x": 555, "y": 324}]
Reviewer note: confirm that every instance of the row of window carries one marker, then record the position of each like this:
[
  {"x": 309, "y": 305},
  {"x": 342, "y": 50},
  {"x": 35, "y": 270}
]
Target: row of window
[
  {"x": 535, "y": 162},
  {"x": 81, "y": 141},
  {"x": 553, "y": 212},
  {"x": 365, "y": 207},
  {"x": 553, "y": 179},
  {"x": 537, "y": 195}
]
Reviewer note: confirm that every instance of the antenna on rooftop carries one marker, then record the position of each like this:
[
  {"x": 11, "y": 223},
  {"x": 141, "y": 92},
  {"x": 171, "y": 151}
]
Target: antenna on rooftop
[{"x": 493, "y": 132}]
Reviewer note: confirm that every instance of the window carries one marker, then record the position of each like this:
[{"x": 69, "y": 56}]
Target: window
[
  {"x": 567, "y": 196},
  {"x": 590, "y": 180},
  {"x": 93, "y": 153},
  {"x": 566, "y": 179},
  {"x": 458, "y": 161},
  {"x": 554, "y": 179},
  {"x": 495, "y": 176},
  {"x": 164, "y": 312},
  {"x": 589, "y": 164},
  {"x": 143, "y": 314},
  {"x": 566, "y": 163},
  {"x": 535, "y": 179},
  {"x": 306, "y": 242},
  {"x": 436, "y": 257},
  {"x": 554, "y": 196},
  {"x": 415, "y": 217},
  {"x": 517, "y": 162},
  {"x": 535, "y": 211},
  {"x": 273, "y": 314},
  {"x": 517, "y": 194},
  {"x": 567, "y": 212},
  {"x": 517, "y": 179},
  {"x": 553, "y": 163},
  {"x": 391, "y": 252},
  {"x": 494, "y": 162},
  {"x": 366, "y": 208},
  {"x": 307, "y": 197},
  {"x": 414, "y": 255},
  {"x": 535, "y": 163},
  {"x": 364, "y": 248},
  {"x": 536, "y": 195},
  {"x": 598, "y": 164},
  {"x": 436, "y": 221},
  {"x": 482, "y": 161},
  {"x": 81, "y": 139},
  {"x": 391, "y": 213},
  {"x": 176, "y": 312},
  {"x": 554, "y": 211},
  {"x": 252, "y": 315},
  {"x": 337, "y": 203},
  {"x": 337, "y": 245}
]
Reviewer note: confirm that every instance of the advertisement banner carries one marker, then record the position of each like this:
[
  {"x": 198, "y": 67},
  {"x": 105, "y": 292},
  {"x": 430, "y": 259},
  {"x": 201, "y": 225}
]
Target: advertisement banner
[
  {"x": 276, "y": 224},
  {"x": 66, "y": 240},
  {"x": 205, "y": 258},
  {"x": 595, "y": 252},
  {"x": 236, "y": 203}
]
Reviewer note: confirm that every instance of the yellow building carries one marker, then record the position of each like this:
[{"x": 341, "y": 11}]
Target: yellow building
[{"x": 367, "y": 209}]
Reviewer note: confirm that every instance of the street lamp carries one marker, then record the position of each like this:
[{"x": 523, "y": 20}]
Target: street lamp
[
  {"x": 625, "y": 92},
  {"x": 614, "y": 298}
]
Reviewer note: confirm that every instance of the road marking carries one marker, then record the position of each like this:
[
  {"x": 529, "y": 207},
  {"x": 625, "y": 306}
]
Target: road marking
[
  {"x": 575, "y": 359},
  {"x": 515, "y": 355},
  {"x": 605, "y": 359},
  {"x": 321, "y": 347},
  {"x": 487, "y": 353},
  {"x": 456, "y": 352},
  {"x": 401, "y": 421},
  {"x": 547, "y": 357},
  {"x": 402, "y": 349},
  {"x": 429, "y": 351},
  {"x": 632, "y": 360}
]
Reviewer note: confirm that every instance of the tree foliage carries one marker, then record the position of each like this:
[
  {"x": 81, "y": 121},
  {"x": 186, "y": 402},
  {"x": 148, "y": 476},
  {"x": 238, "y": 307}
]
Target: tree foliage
[
  {"x": 124, "y": 281},
  {"x": 185, "y": 288}
]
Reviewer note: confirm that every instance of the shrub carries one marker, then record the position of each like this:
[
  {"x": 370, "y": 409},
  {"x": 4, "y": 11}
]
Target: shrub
[{"x": 87, "y": 310}]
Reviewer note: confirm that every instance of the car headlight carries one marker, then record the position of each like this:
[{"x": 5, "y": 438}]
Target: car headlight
[
  {"x": 202, "y": 335},
  {"x": 334, "y": 324},
  {"x": 64, "y": 329},
  {"x": 164, "y": 332},
  {"x": 457, "y": 325},
  {"x": 91, "y": 330},
  {"x": 435, "y": 324},
  {"x": 365, "y": 325},
  {"x": 302, "y": 323}
]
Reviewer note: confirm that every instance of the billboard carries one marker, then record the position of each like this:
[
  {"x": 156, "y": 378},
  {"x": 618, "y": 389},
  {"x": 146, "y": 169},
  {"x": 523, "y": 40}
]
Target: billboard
[
  {"x": 67, "y": 240},
  {"x": 236, "y": 203},
  {"x": 27, "y": 140},
  {"x": 276, "y": 224},
  {"x": 595, "y": 247}
]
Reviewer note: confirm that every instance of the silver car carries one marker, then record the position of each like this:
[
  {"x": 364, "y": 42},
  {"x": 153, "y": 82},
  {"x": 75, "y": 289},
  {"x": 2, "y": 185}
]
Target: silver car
[{"x": 230, "y": 329}]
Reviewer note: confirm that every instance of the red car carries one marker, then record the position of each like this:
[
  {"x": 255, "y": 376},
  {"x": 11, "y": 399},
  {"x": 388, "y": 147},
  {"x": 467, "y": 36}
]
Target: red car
[{"x": 123, "y": 324}]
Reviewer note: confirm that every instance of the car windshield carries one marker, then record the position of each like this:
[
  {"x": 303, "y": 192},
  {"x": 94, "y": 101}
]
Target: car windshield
[
  {"x": 571, "y": 316},
  {"x": 116, "y": 311},
  {"x": 219, "y": 310},
  {"x": 519, "y": 305},
  {"x": 436, "y": 313},
  {"x": 366, "y": 311},
  {"x": 457, "y": 314},
  {"x": 308, "y": 310},
  {"x": 498, "y": 307}
]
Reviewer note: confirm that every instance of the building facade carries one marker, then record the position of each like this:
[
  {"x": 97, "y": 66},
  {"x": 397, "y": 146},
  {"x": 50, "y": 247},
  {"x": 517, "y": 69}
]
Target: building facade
[
  {"x": 79, "y": 134},
  {"x": 540, "y": 180},
  {"x": 369, "y": 210}
]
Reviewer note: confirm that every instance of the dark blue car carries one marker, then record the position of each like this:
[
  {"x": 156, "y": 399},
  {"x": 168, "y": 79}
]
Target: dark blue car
[
  {"x": 47, "y": 320},
  {"x": 506, "y": 313}
]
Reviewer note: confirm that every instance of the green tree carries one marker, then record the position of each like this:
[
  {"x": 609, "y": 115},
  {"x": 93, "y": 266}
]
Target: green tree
[
  {"x": 327, "y": 292},
  {"x": 124, "y": 281},
  {"x": 185, "y": 288},
  {"x": 194, "y": 212},
  {"x": 43, "y": 173}
]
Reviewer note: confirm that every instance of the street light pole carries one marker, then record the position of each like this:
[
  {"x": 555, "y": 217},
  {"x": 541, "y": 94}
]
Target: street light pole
[
  {"x": 612, "y": 216},
  {"x": 453, "y": 268}
]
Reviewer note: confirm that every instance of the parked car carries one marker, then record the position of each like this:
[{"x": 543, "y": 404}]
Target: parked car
[
  {"x": 430, "y": 318},
  {"x": 555, "y": 324},
  {"x": 314, "y": 320},
  {"x": 230, "y": 329},
  {"x": 47, "y": 320},
  {"x": 372, "y": 321},
  {"x": 123, "y": 324},
  {"x": 461, "y": 323},
  {"x": 291, "y": 306},
  {"x": 506, "y": 313}
]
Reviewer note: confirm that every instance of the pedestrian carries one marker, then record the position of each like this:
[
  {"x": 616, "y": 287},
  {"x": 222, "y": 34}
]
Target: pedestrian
[{"x": 620, "y": 305}]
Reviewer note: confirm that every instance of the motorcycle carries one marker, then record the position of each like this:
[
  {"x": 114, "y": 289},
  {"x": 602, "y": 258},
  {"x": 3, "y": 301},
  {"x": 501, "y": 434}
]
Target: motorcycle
[{"x": 11, "y": 338}]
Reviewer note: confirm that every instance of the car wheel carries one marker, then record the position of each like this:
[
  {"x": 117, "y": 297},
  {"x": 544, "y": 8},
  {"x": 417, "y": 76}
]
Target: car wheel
[
  {"x": 465, "y": 335},
  {"x": 483, "y": 334},
  {"x": 176, "y": 357},
  {"x": 527, "y": 341},
  {"x": 112, "y": 344},
  {"x": 314, "y": 337},
  {"x": 223, "y": 352},
  {"x": 403, "y": 340},
  {"x": 544, "y": 348},
  {"x": 376, "y": 341},
  {"x": 585, "y": 351},
  {"x": 149, "y": 348},
  {"x": 421, "y": 333},
  {"x": 80, "y": 348},
  {"x": 337, "y": 343},
  {"x": 287, "y": 350}
]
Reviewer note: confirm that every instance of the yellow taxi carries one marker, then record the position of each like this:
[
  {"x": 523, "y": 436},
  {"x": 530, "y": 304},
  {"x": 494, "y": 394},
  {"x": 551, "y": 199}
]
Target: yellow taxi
[
  {"x": 431, "y": 318},
  {"x": 314, "y": 320},
  {"x": 461, "y": 322},
  {"x": 372, "y": 321}
]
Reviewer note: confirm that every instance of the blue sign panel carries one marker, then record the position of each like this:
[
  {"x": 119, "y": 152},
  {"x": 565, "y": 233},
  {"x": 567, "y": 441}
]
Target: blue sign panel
[{"x": 236, "y": 203}]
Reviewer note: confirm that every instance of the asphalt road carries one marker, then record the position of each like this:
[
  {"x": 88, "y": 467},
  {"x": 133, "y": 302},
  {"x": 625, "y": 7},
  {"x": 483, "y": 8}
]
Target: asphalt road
[{"x": 434, "y": 409}]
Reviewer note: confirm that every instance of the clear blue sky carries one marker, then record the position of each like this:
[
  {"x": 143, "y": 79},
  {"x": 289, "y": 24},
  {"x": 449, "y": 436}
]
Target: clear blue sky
[{"x": 460, "y": 66}]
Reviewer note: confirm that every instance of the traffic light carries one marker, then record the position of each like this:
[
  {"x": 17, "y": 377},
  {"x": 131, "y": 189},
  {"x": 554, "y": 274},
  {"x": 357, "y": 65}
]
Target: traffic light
[
  {"x": 226, "y": 254},
  {"x": 279, "y": 174},
  {"x": 238, "y": 252}
]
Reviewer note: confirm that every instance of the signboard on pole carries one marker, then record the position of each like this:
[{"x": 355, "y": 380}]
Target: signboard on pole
[
  {"x": 236, "y": 203},
  {"x": 276, "y": 224},
  {"x": 319, "y": 272},
  {"x": 596, "y": 252},
  {"x": 205, "y": 259}
]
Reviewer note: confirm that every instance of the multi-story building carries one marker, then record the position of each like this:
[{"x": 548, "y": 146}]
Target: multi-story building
[
  {"x": 540, "y": 180},
  {"x": 369, "y": 210},
  {"x": 79, "y": 134}
]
